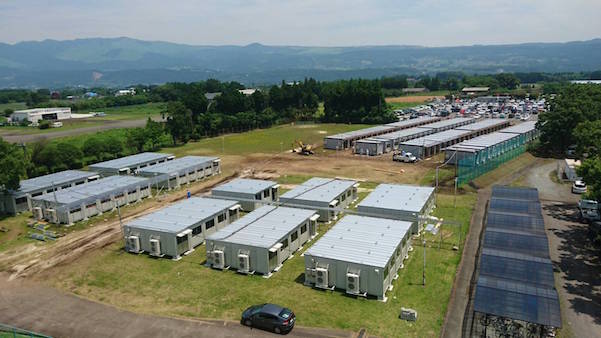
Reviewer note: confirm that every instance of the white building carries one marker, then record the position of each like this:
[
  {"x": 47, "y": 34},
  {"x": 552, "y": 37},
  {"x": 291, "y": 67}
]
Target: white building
[
  {"x": 123, "y": 92},
  {"x": 37, "y": 114},
  {"x": 566, "y": 170}
]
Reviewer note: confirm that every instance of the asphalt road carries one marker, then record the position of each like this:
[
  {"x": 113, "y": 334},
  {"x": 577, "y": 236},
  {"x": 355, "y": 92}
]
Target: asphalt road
[{"x": 45, "y": 310}]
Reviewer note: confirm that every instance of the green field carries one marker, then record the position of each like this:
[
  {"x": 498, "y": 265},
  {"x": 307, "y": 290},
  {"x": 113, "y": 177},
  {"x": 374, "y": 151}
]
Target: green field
[
  {"x": 134, "y": 112},
  {"x": 189, "y": 289},
  {"x": 12, "y": 105},
  {"x": 403, "y": 105}
]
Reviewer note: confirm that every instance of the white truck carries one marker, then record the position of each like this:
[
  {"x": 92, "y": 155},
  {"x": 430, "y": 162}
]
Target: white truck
[
  {"x": 404, "y": 157},
  {"x": 588, "y": 211}
]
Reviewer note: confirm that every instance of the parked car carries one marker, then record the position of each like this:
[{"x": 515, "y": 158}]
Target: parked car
[
  {"x": 579, "y": 187},
  {"x": 588, "y": 211},
  {"x": 404, "y": 157},
  {"x": 270, "y": 317}
]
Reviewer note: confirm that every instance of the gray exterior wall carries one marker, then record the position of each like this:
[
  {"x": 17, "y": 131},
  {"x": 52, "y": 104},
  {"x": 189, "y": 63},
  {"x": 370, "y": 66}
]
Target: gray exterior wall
[
  {"x": 105, "y": 171},
  {"x": 83, "y": 212},
  {"x": 259, "y": 257},
  {"x": 168, "y": 240},
  {"x": 369, "y": 148},
  {"x": 243, "y": 198},
  {"x": 334, "y": 144},
  {"x": 344, "y": 199},
  {"x": 374, "y": 281},
  {"x": 174, "y": 180}
]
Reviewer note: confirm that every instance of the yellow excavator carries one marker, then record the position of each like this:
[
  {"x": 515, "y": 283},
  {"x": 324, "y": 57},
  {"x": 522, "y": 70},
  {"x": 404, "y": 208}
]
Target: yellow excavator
[{"x": 304, "y": 149}]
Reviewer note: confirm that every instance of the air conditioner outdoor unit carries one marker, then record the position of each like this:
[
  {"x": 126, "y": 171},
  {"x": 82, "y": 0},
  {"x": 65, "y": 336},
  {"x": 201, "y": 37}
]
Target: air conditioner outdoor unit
[
  {"x": 52, "y": 216},
  {"x": 133, "y": 244},
  {"x": 155, "y": 247},
  {"x": 352, "y": 283},
  {"x": 37, "y": 213},
  {"x": 321, "y": 278},
  {"x": 243, "y": 263},
  {"x": 218, "y": 259}
]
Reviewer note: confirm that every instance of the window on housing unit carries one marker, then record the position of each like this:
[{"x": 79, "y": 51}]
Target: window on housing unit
[
  {"x": 258, "y": 196},
  {"x": 284, "y": 244},
  {"x": 294, "y": 236},
  {"x": 36, "y": 194},
  {"x": 181, "y": 239},
  {"x": 210, "y": 224},
  {"x": 348, "y": 193},
  {"x": 197, "y": 230},
  {"x": 342, "y": 198},
  {"x": 21, "y": 200},
  {"x": 303, "y": 229},
  {"x": 386, "y": 271},
  {"x": 233, "y": 212},
  {"x": 266, "y": 193},
  {"x": 221, "y": 218}
]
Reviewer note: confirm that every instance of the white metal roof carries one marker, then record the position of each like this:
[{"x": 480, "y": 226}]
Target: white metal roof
[
  {"x": 409, "y": 198},
  {"x": 53, "y": 180},
  {"x": 413, "y": 122},
  {"x": 437, "y": 138},
  {"x": 483, "y": 141},
  {"x": 182, "y": 215},
  {"x": 264, "y": 227},
  {"x": 362, "y": 240},
  {"x": 483, "y": 124},
  {"x": 129, "y": 161},
  {"x": 177, "y": 165},
  {"x": 361, "y": 132},
  {"x": 449, "y": 123},
  {"x": 405, "y": 133},
  {"x": 245, "y": 185},
  {"x": 521, "y": 128},
  {"x": 319, "y": 189}
]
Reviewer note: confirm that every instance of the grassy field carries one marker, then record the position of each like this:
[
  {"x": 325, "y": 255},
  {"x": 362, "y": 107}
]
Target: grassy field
[
  {"x": 13, "y": 106},
  {"x": 187, "y": 288},
  {"x": 134, "y": 112}
]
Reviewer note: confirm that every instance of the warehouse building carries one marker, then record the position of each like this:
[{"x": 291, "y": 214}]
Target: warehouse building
[
  {"x": 449, "y": 124},
  {"x": 12, "y": 202},
  {"x": 327, "y": 195},
  {"x": 515, "y": 289},
  {"x": 183, "y": 170},
  {"x": 390, "y": 141},
  {"x": 360, "y": 255},
  {"x": 36, "y": 115},
  {"x": 481, "y": 149},
  {"x": 262, "y": 240},
  {"x": 401, "y": 202},
  {"x": 526, "y": 130},
  {"x": 485, "y": 126},
  {"x": 432, "y": 144},
  {"x": 348, "y": 139},
  {"x": 130, "y": 164},
  {"x": 250, "y": 193},
  {"x": 177, "y": 229},
  {"x": 93, "y": 198}
]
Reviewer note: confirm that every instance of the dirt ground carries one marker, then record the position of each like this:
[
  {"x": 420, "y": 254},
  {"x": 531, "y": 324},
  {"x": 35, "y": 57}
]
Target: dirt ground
[{"x": 413, "y": 98}]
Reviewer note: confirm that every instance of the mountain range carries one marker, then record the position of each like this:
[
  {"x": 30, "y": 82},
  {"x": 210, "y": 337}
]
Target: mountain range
[{"x": 126, "y": 61}]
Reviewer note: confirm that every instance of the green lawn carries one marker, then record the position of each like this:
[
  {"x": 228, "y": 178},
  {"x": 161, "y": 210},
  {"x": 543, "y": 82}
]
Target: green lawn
[
  {"x": 134, "y": 112},
  {"x": 12, "y": 105},
  {"x": 403, "y": 105},
  {"x": 187, "y": 288}
]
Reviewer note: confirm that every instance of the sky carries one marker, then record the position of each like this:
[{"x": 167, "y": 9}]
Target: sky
[{"x": 304, "y": 22}]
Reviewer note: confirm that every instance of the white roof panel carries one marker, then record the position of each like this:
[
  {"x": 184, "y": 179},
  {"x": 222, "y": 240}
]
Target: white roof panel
[
  {"x": 129, "y": 161},
  {"x": 409, "y": 198},
  {"x": 319, "y": 189}
]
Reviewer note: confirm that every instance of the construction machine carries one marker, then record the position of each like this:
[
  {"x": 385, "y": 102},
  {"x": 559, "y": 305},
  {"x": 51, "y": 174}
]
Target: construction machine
[{"x": 301, "y": 148}]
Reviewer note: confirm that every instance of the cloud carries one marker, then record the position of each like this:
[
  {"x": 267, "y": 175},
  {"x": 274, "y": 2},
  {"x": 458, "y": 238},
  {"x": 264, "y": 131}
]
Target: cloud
[{"x": 307, "y": 22}]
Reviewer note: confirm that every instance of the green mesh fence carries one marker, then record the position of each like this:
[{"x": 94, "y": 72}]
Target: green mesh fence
[
  {"x": 473, "y": 165},
  {"x": 7, "y": 331}
]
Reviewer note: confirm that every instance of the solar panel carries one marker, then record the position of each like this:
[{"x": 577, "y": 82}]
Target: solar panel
[
  {"x": 527, "y": 244},
  {"x": 519, "y": 193},
  {"x": 528, "y": 223},
  {"x": 514, "y": 206},
  {"x": 517, "y": 267}
]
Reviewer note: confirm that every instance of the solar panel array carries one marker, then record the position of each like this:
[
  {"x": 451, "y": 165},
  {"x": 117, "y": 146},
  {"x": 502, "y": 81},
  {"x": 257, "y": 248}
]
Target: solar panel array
[{"x": 515, "y": 273}]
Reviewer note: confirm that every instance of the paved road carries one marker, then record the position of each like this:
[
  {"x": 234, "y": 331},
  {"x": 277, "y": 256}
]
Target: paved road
[
  {"x": 27, "y": 138},
  {"x": 34, "y": 307}
]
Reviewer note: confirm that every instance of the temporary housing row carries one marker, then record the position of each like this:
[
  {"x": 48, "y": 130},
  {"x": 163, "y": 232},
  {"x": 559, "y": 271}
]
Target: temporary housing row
[
  {"x": 328, "y": 196},
  {"x": 481, "y": 149},
  {"x": 180, "y": 171},
  {"x": 262, "y": 240},
  {"x": 485, "y": 126},
  {"x": 527, "y": 131},
  {"x": 178, "y": 229},
  {"x": 360, "y": 255},
  {"x": 250, "y": 193},
  {"x": 449, "y": 124},
  {"x": 401, "y": 202},
  {"x": 93, "y": 198},
  {"x": 130, "y": 164},
  {"x": 14, "y": 201},
  {"x": 430, "y": 145},
  {"x": 388, "y": 142},
  {"x": 347, "y": 140}
]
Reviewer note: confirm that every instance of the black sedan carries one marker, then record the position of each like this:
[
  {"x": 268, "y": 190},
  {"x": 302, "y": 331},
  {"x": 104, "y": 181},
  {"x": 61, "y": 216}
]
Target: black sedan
[{"x": 269, "y": 317}]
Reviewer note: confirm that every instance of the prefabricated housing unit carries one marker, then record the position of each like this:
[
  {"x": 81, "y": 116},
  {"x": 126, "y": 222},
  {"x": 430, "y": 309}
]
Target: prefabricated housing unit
[
  {"x": 177, "y": 229},
  {"x": 411, "y": 123},
  {"x": 347, "y": 140},
  {"x": 324, "y": 194},
  {"x": 12, "y": 202},
  {"x": 370, "y": 146},
  {"x": 129, "y": 164},
  {"x": 93, "y": 198},
  {"x": 250, "y": 193},
  {"x": 527, "y": 131},
  {"x": 401, "y": 202},
  {"x": 391, "y": 141},
  {"x": 182, "y": 170},
  {"x": 262, "y": 240},
  {"x": 360, "y": 255},
  {"x": 481, "y": 149},
  {"x": 485, "y": 126},
  {"x": 449, "y": 123},
  {"x": 432, "y": 144}
]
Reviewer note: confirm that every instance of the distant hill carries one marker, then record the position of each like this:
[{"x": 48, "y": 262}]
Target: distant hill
[{"x": 123, "y": 61}]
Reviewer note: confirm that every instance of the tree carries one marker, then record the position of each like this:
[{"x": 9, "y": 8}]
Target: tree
[
  {"x": 136, "y": 138},
  {"x": 590, "y": 170},
  {"x": 588, "y": 138},
  {"x": 179, "y": 122},
  {"x": 506, "y": 80},
  {"x": 93, "y": 147},
  {"x": 154, "y": 132},
  {"x": 69, "y": 156},
  {"x": 12, "y": 166},
  {"x": 8, "y": 112}
]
